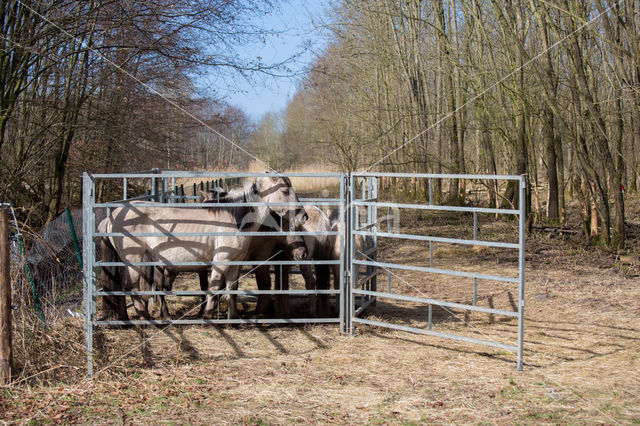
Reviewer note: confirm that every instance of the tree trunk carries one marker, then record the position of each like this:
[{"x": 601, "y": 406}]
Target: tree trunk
[{"x": 552, "y": 171}]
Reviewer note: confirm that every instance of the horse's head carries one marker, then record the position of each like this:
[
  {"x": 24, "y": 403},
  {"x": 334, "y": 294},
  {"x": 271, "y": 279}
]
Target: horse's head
[
  {"x": 277, "y": 189},
  {"x": 298, "y": 249}
]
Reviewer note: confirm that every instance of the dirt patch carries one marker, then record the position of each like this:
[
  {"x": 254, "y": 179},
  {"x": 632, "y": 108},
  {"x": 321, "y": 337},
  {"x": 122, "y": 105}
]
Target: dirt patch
[{"x": 582, "y": 340}]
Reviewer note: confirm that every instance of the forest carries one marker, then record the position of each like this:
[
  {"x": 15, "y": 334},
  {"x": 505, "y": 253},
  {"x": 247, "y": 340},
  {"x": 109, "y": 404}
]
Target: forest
[{"x": 546, "y": 88}]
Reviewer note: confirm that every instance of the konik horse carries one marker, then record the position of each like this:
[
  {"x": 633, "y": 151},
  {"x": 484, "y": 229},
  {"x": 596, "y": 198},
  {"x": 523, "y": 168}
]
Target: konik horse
[{"x": 219, "y": 218}]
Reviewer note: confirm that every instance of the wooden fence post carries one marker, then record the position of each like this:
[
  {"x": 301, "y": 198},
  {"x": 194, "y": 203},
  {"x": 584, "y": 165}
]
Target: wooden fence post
[{"x": 5, "y": 300}]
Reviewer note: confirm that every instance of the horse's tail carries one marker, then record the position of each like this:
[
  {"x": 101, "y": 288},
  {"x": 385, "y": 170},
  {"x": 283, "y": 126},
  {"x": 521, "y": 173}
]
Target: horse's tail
[{"x": 112, "y": 280}]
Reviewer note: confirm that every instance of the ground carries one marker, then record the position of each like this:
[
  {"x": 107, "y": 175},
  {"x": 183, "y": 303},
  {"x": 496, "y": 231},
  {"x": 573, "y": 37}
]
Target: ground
[{"x": 582, "y": 355}]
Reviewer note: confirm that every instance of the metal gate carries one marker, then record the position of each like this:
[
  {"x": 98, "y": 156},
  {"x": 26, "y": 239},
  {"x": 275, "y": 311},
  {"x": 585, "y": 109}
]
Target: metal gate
[
  {"x": 363, "y": 291},
  {"x": 361, "y": 226},
  {"x": 167, "y": 191}
]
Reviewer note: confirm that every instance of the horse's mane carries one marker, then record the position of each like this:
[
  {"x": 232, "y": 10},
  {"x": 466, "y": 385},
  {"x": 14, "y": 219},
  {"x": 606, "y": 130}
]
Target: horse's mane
[{"x": 242, "y": 194}]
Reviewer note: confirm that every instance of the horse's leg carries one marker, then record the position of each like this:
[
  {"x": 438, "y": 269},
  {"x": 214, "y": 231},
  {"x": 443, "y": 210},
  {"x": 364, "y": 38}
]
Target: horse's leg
[
  {"x": 231, "y": 278},
  {"x": 336, "y": 281},
  {"x": 323, "y": 277},
  {"x": 113, "y": 307},
  {"x": 160, "y": 283},
  {"x": 167, "y": 278},
  {"x": 263, "y": 281},
  {"x": 216, "y": 280},
  {"x": 204, "y": 286},
  {"x": 136, "y": 281},
  {"x": 283, "y": 301},
  {"x": 310, "y": 284}
]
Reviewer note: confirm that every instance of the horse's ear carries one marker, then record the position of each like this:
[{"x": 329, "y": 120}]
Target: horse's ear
[{"x": 274, "y": 176}]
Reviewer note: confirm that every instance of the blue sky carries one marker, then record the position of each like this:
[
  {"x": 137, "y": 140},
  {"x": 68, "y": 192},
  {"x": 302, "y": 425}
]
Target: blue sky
[{"x": 295, "y": 23}]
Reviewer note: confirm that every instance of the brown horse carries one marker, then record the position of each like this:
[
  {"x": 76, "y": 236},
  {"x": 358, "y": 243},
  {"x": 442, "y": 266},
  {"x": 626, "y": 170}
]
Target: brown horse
[
  {"x": 142, "y": 218},
  {"x": 323, "y": 247},
  {"x": 319, "y": 247}
]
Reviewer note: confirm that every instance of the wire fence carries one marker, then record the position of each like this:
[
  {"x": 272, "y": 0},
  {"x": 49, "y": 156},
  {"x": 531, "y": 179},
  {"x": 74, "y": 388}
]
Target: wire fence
[{"x": 47, "y": 265}]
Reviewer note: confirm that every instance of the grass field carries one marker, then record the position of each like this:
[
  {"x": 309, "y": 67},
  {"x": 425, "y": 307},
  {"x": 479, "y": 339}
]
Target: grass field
[{"x": 582, "y": 355}]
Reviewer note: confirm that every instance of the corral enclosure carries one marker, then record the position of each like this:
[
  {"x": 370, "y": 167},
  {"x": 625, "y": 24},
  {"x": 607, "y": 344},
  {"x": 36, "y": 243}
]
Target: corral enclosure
[{"x": 417, "y": 294}]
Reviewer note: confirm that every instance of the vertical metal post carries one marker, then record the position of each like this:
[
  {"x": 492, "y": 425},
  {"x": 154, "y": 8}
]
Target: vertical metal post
[
  {"x": 342, "y": 241},
  {"x": 88, "y": 224},
  {"x": 521, "y": 241},
  {"x": 388, "y": 230},
  {"x": 475, "y": 226},
  {"x": 355, "y": 224},
  {"x": 374, "y": 242},
  {"x": 154, "y": 189},
  {"x": 367, "y": 196},
  {"x": 124, "y": 188},
  {"x": 431, "y": 203},
  {"x": 475, "y": 237},
  {"x": 163, "y": 194},
  {"x": 352, "y": 275},
  {"x": 430, "y": 323}
]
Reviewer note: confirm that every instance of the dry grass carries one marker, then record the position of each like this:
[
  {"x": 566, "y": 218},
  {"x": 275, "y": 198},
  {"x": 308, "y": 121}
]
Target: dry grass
[
  {"x": 581, "y": 353},
  {"x": 318, "y": 186},
  {"x": 306, "y": 185}
]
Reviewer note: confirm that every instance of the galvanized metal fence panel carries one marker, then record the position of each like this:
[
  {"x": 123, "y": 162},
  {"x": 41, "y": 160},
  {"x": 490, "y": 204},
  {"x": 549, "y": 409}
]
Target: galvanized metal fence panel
[
  {"x": 160, "y": 196},
  {"x": 361, "y": 214},
  {"x": 369, "y": 201}
]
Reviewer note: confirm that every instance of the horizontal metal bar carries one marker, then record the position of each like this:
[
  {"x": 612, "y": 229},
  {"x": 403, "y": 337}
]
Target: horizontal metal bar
[
  {"x": 324, "y": 200},
  {"x": 367, "y": 278},
  {"x": 435, "y": 176},
  {"x": 212, "y": 234},
  {"x": 510, "y": 348},
  {"x": 367, "y": 200},
  {"x": 364, "y": 306},
  {"x": 222, "y": 262},
  {"x": 369, "y": 252},
  {"x": 440, "y": 239},
  {"x": 438, "y": 208},
  {"x": 438, "y": 271},
  {"x": 369, "y": 226},
  {"x": 221, "y": 321},
  {"x": 443, "y": 303},
  {"x": 211, "y": 292},
  {"x": 114, "y": 204},
  {"x": 212, "y": 175},
  {"x": 139, "y": 197}
]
